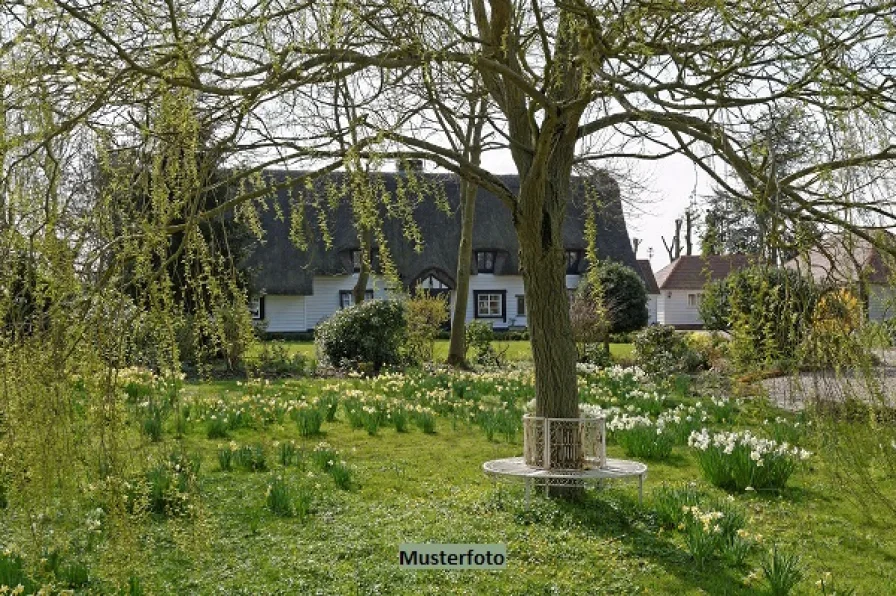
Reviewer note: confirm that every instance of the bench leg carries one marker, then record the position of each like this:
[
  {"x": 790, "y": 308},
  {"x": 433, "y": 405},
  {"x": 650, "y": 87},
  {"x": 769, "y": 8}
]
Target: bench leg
[
  {"x": 528, "y": 490},
  {"x": 640, "y": 489}
]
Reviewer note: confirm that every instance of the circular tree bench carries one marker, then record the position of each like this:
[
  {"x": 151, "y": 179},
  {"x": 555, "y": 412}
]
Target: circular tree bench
[
  {"x": 515, "y": 468},
  {"x": 564, "y": 452}
]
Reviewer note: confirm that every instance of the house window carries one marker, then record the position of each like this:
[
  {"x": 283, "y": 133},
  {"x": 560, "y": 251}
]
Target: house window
[
  {"x": 256, "y": 308},
  {"x": 489, "y": 304},
  {"x": 485, "y": 261},
  {"x": 433, "y": 283},
  {"x": 694, "y": 300},
  {"x": 374, "y": 260},
  {"x": 520, "y": 305},
  {"x": 346, "y": 298},
  {"x": 573, "y": 260}
]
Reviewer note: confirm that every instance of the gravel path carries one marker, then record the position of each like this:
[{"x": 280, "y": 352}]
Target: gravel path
[{"x": 795, "y": 391}]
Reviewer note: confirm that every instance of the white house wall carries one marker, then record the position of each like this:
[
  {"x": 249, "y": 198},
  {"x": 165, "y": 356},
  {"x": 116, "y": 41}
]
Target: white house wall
[
  {"x": 652, "y": 300},
  {"x": 324, "y": 300},
  {"x": 673, "y": 309},
  {"x": 881, "y": 303},
  {"x": 285, "y": 313},
  {"x": 301, "y": 313}
]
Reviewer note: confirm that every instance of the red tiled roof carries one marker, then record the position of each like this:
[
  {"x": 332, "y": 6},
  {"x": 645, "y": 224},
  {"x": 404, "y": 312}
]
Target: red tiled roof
[{"x": 693, "y": 272}]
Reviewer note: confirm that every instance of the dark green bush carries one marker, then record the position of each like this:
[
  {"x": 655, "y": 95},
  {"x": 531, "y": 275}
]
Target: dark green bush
[
  {"x": 367, "y": 335},
  {"x": 624, "y": 296}
]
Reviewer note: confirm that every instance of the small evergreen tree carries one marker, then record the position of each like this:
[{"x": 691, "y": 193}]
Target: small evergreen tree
[{"x": 624, "y": 296}]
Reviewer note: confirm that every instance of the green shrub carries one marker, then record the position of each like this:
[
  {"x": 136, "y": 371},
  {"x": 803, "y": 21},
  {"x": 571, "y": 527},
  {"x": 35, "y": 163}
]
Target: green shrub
[
  {"x": 341, "y": 475},
  {"x": 660, "y": 351},
  {"x": 225, "y": 457},
  {"x": 426, "y": 420},
  {"x": 425, "y": 315},
  {"x": 641, "y": 437},
  {"x": 767, "y": 311},
  {"x": 12, "y": 572},
  {"x": 479, "y": 336},
  {"x": 324, "y": 456},
  {"x": 279, "y": 499},
  {"x": 216, "y": 427},
  {"x": 166, "y": 488},
  {"x": 370, "y": 334},
  {"x": 275, "y": 360},
  {"x": 624, "y": 296},
  {"x": 288, "y": 454}
]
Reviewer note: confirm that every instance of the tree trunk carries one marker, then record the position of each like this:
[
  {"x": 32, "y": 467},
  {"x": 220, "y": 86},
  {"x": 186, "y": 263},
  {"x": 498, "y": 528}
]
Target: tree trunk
[
  {"x": 543, "y": 259},
  {"x": 539, "y": 224},
  {"x": 360, "y": 288},
  {"x": 457, "y": 349}
]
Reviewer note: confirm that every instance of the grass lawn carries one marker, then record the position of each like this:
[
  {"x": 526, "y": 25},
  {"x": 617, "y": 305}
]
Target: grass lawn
[
  {"x": 515, "y": 350},
  {"x": 429, "y": 487}
]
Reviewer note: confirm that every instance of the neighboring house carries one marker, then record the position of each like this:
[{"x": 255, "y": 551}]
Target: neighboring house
[
  {"x": 297, "y": 289},
  {"x": 653, "y": 290},
  {"x": 681, "y": 284},
  {"x": 847, "y": 260}
]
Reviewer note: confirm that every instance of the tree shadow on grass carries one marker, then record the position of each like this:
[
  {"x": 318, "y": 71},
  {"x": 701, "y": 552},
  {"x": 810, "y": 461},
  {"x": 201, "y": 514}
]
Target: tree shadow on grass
[{"x": 614, "y": 516}]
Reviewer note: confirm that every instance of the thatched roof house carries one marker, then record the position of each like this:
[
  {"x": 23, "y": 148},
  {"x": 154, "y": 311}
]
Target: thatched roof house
[{"x": 278, "y": 267}]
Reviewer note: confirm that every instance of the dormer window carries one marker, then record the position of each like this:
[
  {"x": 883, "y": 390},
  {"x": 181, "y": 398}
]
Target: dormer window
[
  {"x": 485, "y": 261},
  {"x": 573, "y": 261},
  {"x": 374, "y": 260}
]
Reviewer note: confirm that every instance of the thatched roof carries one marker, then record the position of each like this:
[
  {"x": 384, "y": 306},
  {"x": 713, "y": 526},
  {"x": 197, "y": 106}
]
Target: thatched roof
[
  {"x": 845, "y": 258},
  {"x": 279, "y": 267},
  {"x": 646, "y": 272},
  {"x": 694, "y": 271}
]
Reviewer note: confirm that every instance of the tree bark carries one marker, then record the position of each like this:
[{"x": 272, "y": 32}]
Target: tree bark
[
  {"x": 360, "y": 288},
  {"x": 539, "y": 224},
  {"x": 457, "y": 349}
]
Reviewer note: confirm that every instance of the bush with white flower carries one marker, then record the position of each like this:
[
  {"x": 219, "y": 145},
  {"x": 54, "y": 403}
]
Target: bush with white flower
[
  {"x": 741, "y": 460},
  {"x": 641, "y": 437}
]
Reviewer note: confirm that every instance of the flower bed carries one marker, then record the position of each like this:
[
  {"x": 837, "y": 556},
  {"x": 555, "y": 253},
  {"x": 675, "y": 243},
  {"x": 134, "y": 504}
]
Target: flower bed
[
  {"x": 743, "y": 461},
  {"x": 640, "y": 436}
]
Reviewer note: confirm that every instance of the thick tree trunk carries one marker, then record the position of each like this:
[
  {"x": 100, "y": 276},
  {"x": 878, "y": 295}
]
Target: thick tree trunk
[
  {"x": 457, "y": 348},
  {"x": 553, "y": 348},
  {"x": 539, "y": 224}
]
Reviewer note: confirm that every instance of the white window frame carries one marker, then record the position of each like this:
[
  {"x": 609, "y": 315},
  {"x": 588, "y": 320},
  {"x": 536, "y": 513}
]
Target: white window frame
[
  {"x": 347, "y": 298},
  {"x": 254, "y": 306},
  {"x": 491, "y": 300},
  {"x": 694, "y": 300},
  {"x": 521, "y": 300}
]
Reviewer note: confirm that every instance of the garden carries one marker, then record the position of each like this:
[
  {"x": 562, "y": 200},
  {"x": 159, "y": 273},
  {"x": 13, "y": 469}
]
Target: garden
[{"x": 308, "y": 485}]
